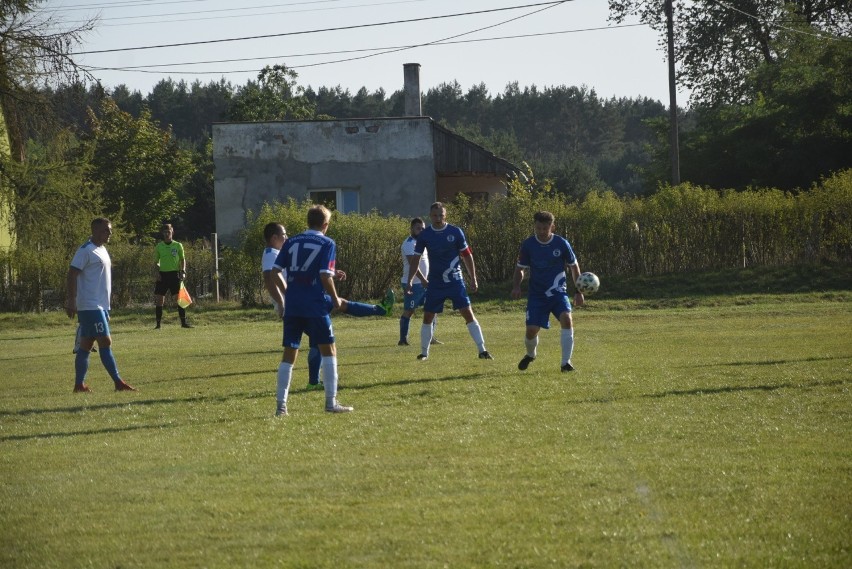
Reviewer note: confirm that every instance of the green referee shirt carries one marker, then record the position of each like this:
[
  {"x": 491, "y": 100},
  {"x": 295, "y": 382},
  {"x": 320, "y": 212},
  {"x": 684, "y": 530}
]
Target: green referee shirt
[{"x": 168, "y": 256}]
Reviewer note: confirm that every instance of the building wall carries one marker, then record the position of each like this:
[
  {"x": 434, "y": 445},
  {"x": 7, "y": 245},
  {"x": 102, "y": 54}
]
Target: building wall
[{"x": 389, "y": 162}]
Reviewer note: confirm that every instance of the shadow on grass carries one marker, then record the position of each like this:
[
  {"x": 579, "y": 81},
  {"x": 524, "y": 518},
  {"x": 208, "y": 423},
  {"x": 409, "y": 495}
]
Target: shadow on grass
[
  {"x": 11, "y": 438},
  {"x": 714, "y": 391},
  {"x": 773, "y": 362}
]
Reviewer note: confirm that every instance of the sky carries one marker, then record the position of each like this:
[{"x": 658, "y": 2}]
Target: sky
[{"x": 568, "y": 43}]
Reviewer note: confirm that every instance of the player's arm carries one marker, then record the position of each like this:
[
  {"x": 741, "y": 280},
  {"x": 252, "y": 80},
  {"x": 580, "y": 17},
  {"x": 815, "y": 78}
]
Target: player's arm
[
  {"x": 276, "y": 287},
  {"x": 328, "y": 285},
  {"x": 182, "y": 270},
  {"x": 574, "y": 270},
  {"x": 422, "y": 277},
  {"x": 156, "y": 267},
  {"x": 467, "y": 258},
  {"x": 413, "y": 269},
  {"x": 517, "y": 278},
  {"x": 71, "y": 291}
]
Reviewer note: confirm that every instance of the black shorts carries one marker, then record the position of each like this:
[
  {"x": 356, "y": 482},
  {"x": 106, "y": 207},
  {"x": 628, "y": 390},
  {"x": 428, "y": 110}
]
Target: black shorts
[{"x": 169, "y": 282}]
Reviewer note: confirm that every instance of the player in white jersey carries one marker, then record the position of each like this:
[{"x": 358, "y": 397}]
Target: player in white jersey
[
  {"x": 418, "y": 286},
  {"x": 89, "y": 287},
  {"x": 548, "y": 258}
]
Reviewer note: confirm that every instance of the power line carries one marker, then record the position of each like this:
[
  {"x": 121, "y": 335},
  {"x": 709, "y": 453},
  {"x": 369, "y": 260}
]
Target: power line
[
  {"x": 304, "y": 32},
  {"x": 240, "y": 9},
  {"x": 145, "y": 68},
  {"x": 436, "y": 41}
]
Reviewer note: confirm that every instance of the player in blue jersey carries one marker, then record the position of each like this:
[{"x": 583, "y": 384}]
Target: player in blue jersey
[
  {"x": 548, "y": 257},
  {"x": 447, "y": 248},
  {"x": 275, "y": 236},
  {"x": 309, "y": 259}
]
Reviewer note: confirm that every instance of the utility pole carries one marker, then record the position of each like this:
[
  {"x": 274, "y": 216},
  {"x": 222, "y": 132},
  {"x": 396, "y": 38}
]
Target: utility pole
[{"x": 673, "y": 141}]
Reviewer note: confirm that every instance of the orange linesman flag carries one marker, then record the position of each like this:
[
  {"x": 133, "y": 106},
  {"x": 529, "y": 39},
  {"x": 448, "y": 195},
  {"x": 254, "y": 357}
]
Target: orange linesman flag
[{"x": 183, "y": 298}]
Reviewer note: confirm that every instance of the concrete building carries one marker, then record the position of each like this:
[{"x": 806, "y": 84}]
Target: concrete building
[{"x": 395, "y": 165}]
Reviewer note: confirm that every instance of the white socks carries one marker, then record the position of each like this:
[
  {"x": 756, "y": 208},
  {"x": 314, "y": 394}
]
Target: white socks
[
  {"x": 328, "y": 366},
  {"x": 531, "y": 345},
  {"x": 285, "y": 374},
  {"x": 425, "y": 338},
  {"x": 567, "y": 344},
  {"x": 476, "y": 334}
]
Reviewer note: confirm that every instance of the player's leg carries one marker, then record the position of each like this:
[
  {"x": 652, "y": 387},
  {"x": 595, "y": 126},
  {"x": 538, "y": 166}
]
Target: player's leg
[
  {"x": 314, "y": 361},
  {"x": 293, "y": 328},
  {"x": 435, "y": 341},
  {"x": 359, "y": 309},
  {"x": 531, "y": 345},
  {"x": 475, "y": 331},
  {"x": 433, "y": 304},
  {"x": 321, "y": 331},
  {"x": 159, "y": 300},
  {"x": 461, "y": 302},
  {"x": 409, "y": 303},
  {"x": 537, "y": 316},
  {"x": 567, "y": 340},
  {"x": 81, "y": 359}
]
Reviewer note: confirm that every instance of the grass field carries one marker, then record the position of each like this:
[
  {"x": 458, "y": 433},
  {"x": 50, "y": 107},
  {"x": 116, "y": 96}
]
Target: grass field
[{"x": 713, "y": 432}]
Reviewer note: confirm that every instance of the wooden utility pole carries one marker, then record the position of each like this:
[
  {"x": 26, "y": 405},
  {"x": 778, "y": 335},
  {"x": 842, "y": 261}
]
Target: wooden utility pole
[{"x": 673, "y": 140}]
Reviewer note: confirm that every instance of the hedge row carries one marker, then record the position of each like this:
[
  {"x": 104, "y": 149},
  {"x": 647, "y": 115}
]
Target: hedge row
[{"x": 682, "y": 228}]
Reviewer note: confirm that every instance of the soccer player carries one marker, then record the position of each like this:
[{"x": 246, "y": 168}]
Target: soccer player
[
  {"x": 412, "y": 301},
  {"x": 548, "y": 257},
  {"x": 275, "y": 236},
  {"x": 170, "y": 271},
  {"x": 446, "y": 246},
  {"x": 89, "y": 286},
  {"x": 309, "y": 259}
]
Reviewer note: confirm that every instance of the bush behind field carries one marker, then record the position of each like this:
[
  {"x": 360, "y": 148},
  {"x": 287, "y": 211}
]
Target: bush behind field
[{"x": 680, "y": 228}]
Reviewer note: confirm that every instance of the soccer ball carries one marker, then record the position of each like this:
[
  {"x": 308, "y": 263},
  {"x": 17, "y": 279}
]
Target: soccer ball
[{"x": 588, "y": 283}]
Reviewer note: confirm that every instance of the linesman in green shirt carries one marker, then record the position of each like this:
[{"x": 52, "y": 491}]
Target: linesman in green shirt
[{"x": 170, "y": 271}]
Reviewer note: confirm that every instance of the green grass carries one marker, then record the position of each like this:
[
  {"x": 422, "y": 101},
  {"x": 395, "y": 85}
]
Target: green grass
[{"x": 713, "y": 433}]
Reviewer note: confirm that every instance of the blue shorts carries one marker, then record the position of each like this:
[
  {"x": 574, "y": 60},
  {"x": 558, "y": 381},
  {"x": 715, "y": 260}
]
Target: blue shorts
[
  {"x": 539, "y": 309},
  {"x": 415, "y": 299},
  {"x": 318, "y": 329},
  {"x": 93, "y": 323},
  {"x": 436, "y": 295}
]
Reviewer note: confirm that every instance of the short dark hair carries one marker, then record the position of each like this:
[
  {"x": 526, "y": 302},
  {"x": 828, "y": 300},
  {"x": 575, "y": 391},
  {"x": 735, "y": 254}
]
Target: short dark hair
[
  {"x": 543, "y": 217},
  {"x": 417, "y": 220},
  {"x": 271, "y": 229},
  {"x": 166, "y": 225},
  {"x": 318, "y": 215},
  {"x": 98, "y": 221}
]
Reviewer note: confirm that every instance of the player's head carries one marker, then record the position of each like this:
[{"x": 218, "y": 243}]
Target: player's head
[
  {"x": 101, "y": 230},
  {"x": 438, "y": 214},
  {"x": 274, "y": 234},
  {"x": 167, "y": 231},
  {"x": 417, "y": 226},
  {"x": 318, "y": 218},
  {"x": 543, "y": 221}
]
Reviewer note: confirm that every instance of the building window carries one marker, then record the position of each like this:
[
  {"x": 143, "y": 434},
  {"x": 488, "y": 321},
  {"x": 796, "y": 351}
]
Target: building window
[{"x": 344, "y": 200}]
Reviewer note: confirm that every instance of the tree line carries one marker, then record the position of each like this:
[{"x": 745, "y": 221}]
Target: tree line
[{"x": 770, "y": 110}]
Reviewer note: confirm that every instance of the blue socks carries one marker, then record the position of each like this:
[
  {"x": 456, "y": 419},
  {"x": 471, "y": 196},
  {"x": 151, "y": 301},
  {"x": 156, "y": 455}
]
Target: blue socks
[
  {"x": 360, "y": 309},
  {"x": 404, "y": 323},
  {"x": 109, "y": 363},
  {"x": 81, "y": 366},
  {"x": 314, "y": 360}
]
